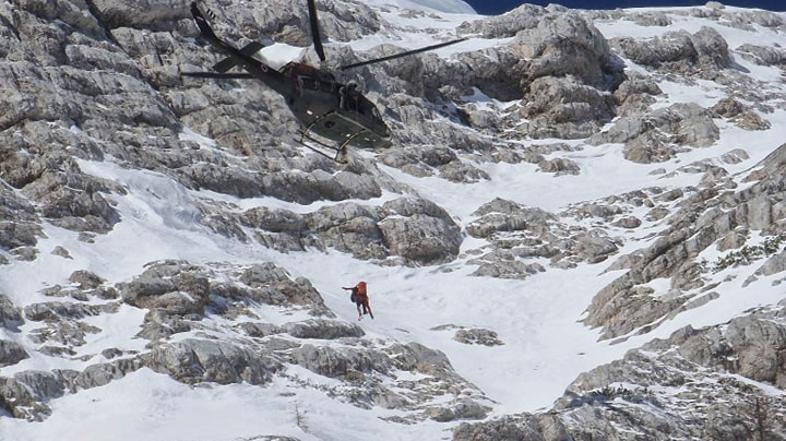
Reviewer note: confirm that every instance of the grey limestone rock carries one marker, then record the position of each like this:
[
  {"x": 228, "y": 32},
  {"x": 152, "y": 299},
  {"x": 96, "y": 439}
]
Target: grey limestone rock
[
  {"x": 477, "y": 336},
  {"x": 564, "y": 108},
  {"x": 101, "y": 374},
  {"x": 677, "y": 388},
  {"x": 198, "y": 360},
  {"x": 705, "y": 217},
  {"x": 763, "y": 55},
  {"x": 629, "y": 222},
  {"x": 774, "y": 265},
  {"x": 739, "y": 114},
  {"x": 651, "y": 19},
  {"x": 172, "y": 286},
  {"x": 517, "y": 233},
  {"x": 506, "y": 25},
  {"x": 560, "y": 166},
  {"x": 23, "y": 395},
  {"x": 658, "y": 136},
  {"x": 465, "y": 409},
  {"x": 703, "y": 53},
  {"x": 86, "y": 279},
  {"x": 323, "y": 329},
  {"x": 54, "y": 311},
  {"x": 62, "y": 252},
  {"x": 10, "y": 315},
  {"x": 11, "y": 353},
  {"x": 413, "y": 228},
  {"x": 338, "y": 362}
]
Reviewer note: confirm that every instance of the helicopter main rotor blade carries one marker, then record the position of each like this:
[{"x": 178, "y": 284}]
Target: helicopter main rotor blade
[
  {"x": 314, "y": 20},
  {"x": 403, "y": 54},
  {"x": 223, "y": 76}
]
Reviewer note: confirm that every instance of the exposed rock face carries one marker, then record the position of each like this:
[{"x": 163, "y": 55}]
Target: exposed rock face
[
  {"x": 737, "y": 113},
  {"x": 100, "y": 135},
  {"x": 54, "y": 311},
  {"x": 762, "y": 55},
  {"x": 477, "y": 337},
  {"x": 195, "y": 361},
  {"x": 19, "y": 226},
  {"x": 417, "y": 230},
  {"x": 565, "y": 108},
  {"x": 174, "y": 287},
  {"x": 182, "y": 297},
  {"x": 517, "y": 233},
  {"x": 178, "y": 294},
  {"x": 10, "y": 316},
  {"x": 707, "y": 217},
  {"x": 557, "y": 44},
  {"x": 660, "y": 135},
  {"x": 704, "y": 52},
  {"x": 681, "y": 388},
  {"x": 23, "y": 394},
  {"x": 323, "y": 329},
  {"x": 11, "y": 353}
]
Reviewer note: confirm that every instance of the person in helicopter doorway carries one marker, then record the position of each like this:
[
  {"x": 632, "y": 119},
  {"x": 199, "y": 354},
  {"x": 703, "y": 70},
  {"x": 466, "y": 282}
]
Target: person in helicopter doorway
[
  {"x": 348, "y": 94},
  {"x": 359, "y": 297}
]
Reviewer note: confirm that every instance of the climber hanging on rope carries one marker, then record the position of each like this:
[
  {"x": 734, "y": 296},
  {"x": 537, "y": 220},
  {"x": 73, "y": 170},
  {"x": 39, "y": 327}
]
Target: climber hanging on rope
[{"x": 359, "y": 297}]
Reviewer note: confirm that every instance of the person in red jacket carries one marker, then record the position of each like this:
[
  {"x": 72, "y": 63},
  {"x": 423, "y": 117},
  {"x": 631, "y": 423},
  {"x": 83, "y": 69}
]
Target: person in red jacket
[{"x": 360, "y": 298}]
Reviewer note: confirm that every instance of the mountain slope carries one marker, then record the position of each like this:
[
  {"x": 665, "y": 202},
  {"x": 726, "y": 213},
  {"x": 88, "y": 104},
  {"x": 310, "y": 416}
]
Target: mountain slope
[{"x": 566, "y": 192}]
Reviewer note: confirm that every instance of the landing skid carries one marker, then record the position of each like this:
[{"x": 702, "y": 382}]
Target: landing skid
[
  {"x": 341, "y": 151},
  {"x": 341, "y": 156}
]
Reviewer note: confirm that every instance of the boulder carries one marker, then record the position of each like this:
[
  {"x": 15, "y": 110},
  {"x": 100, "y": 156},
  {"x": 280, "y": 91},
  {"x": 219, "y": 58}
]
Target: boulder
[
  {"x": 197, "y": 360},
  {"x": 11, "y": 353}
]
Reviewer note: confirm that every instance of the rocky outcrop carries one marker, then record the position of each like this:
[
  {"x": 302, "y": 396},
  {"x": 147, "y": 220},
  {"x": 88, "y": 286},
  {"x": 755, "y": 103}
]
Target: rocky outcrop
[
  {"x": 174, "y": 287},
  {"x": 762, "y": 55},
  {"x": 660, "y": 135},
  {"x": 565, "y": 108},
  {"x": 739, "y": 115},
  {"x": 19, "y": 223},
  {"x": 323, "y": 329},
  {"x": 199, "y": 360},
  {"x": 555, "y": 43},
  {"x": 23, "y": 395},
  {"x": 454, "y": 398},
  {"x": 10, "y": 316},
  {"x": 11, "y": 353},
  {"x": 709, "y": 216},
  {"x": 702, "y": 53},
  {"x": 475, "y": 336},
  {"x": 714, "y": 383},
  {"x": 517, "y": 234},
  {"x": 100, "y": 134},
  {"x": 413, "y": 229},
  {"x": 179, "y": 294}
]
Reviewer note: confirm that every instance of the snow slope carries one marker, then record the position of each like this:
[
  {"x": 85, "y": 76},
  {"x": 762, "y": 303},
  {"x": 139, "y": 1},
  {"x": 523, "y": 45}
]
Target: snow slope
[
  {"x": 447, "y": 6},
  {"x": 545, "y": 344}
]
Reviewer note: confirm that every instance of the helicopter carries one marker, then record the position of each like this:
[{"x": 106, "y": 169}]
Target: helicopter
[{"x": 332, "y": 115}]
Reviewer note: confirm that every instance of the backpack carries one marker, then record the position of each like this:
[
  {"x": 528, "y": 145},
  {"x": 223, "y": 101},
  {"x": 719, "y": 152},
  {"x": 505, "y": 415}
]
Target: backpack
[{"x": 352, "y": 297}]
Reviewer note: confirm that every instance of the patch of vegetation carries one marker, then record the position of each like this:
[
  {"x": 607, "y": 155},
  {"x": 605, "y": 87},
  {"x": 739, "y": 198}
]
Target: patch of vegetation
[{"x": 746, "y": 255}]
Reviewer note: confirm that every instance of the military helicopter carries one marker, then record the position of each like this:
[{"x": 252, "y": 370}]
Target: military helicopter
[{"x": 328, "y": 111}]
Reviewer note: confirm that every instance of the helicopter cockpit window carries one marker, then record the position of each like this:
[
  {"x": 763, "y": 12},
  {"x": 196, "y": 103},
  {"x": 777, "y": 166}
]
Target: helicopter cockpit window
[{"x": 375, "y": 113}]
